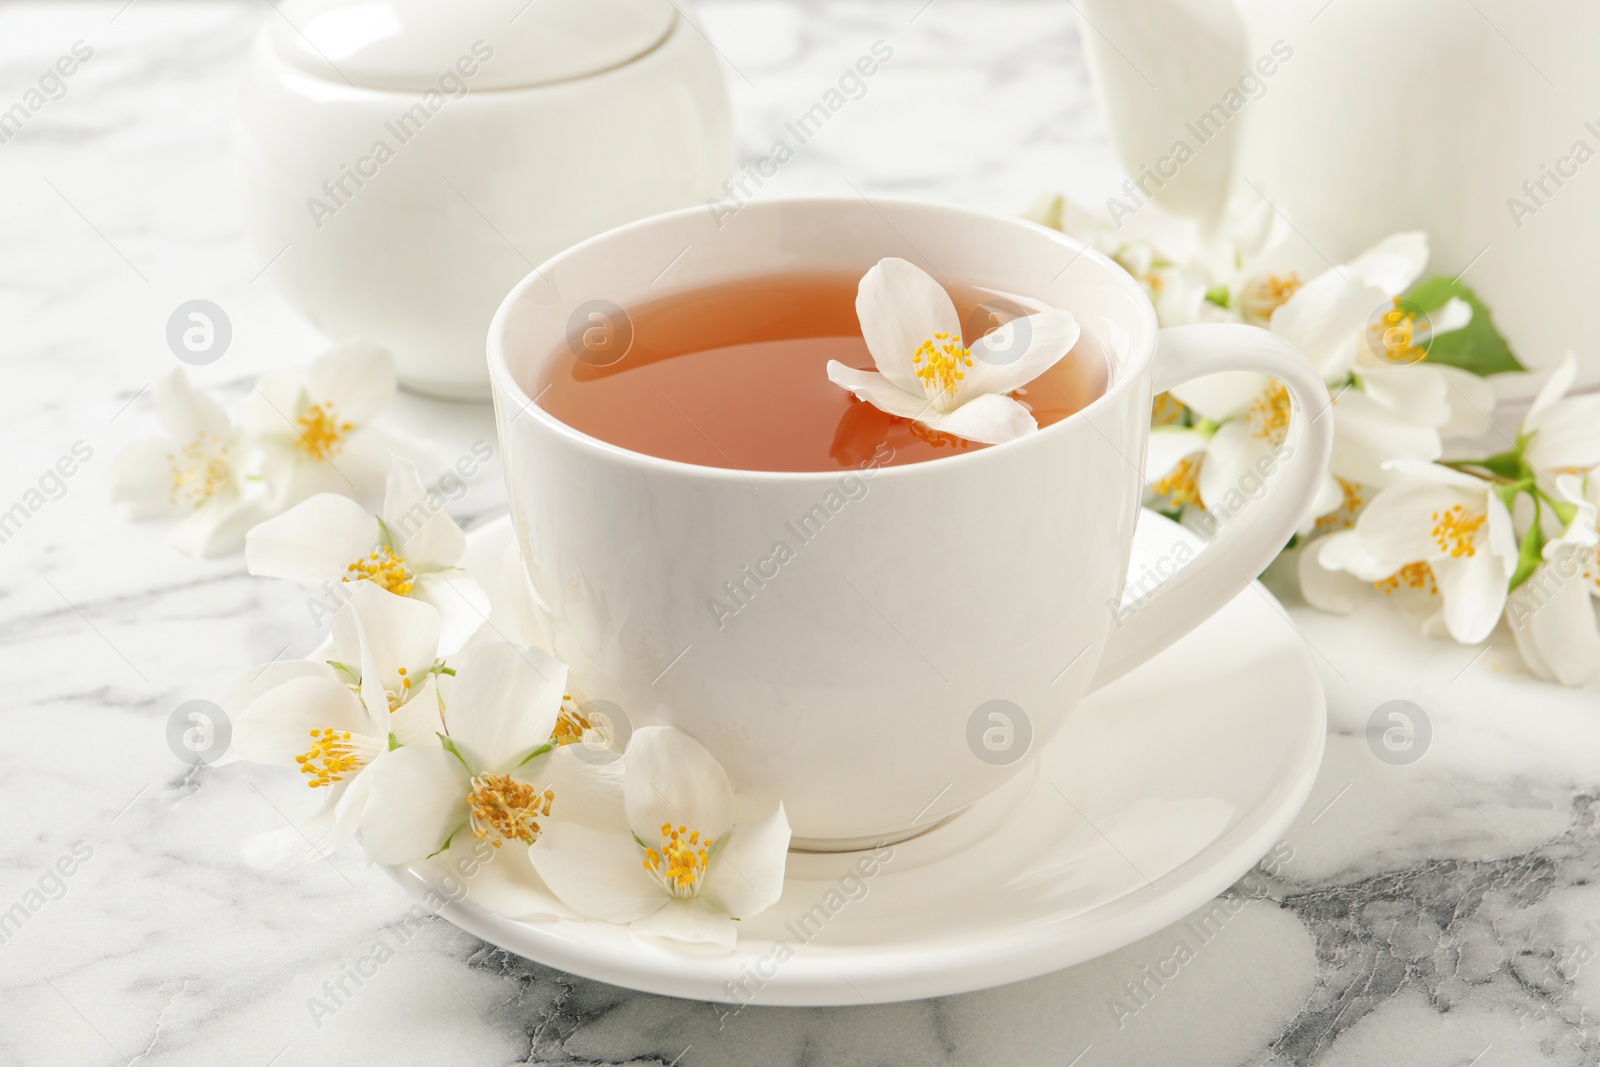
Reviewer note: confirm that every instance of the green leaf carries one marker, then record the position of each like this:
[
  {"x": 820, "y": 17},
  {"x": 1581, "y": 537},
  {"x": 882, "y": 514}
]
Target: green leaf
[
  {"x": 1218, "y": 295},
  {"x": 1531, "y": 553},
  {"x": 1477, "y": 347}
]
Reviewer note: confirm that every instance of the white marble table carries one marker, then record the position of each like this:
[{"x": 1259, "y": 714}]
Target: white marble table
[{"x": 1442, "y": 913}]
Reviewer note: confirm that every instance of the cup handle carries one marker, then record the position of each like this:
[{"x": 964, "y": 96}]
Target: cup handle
[{"x": 1242, "y": 548}]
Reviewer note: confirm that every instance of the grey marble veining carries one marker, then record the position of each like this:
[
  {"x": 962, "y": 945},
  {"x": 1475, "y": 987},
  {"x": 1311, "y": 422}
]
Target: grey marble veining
[{"x": 1445, "y": 913}]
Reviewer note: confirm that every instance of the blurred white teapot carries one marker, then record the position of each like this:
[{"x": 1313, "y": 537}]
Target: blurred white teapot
[
  {"x": 1478, "y": 122},
  {"x": 412, "y": 160}
]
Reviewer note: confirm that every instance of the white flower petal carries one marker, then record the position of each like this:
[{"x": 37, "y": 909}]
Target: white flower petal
[
  {"x": 1220, "y": 397},
  {"x": 1018, "y": 352},
  {"x": 1553, "y": 621},
  {"x": 989, "y": 419},
  {"x": 184, "y": 412},
  {"x": 424, "y": 532},
  {"x": 1438, "y": 474},
  {"x": 1554, "y": 388},
  {"x": 399, "y": 641},
  {"x": 1456, "y": 314},
  {"x": 1394, "y": 263},
  {"x": 1396, "y": 526},
  {"x": 1170, "y": 446},
  {"x": 1181, "y": 299},
  {"x": 1501, "y": 540},
  {"x": 1326, "y": 319},
  {"x": 671, "y": 778},
  {"x": 313, "y": 542},
  {"x": 276, "y": 726},
  {"x": 356, "y": 378},
  {"x": 1345, "y": 551},
  {"x": 899, "y": 307},
  {"x": 270, "y": 410},
  {"x": 688, "y": 922},
  {"x": 588, "y": 787},
  {"x": 1367, "y": 437},
  {"x": 1230, "y": 476},
  {"x": 316, "y": 838},
  {"x": 1474, "y": 592},
  {"x": 503, "y": 703},
  {"x": 500, "y": 879},
  {"x": 1416, "y": 393},
  {"x": 417, "y": 799},
  {"x": 218, "y": 527},
  {"x": 1329, "y": 498},
  {"x": 419, "y": 721},
  {"x": 240, "y": 692},
  {"x": 141, "y": 480},
  {"x": 461, "y": 602},
  {"x": 596, "y": 873},
  {"x": 1566, "y": 435},
  {"x": 879, "y": 391},
  {"x": 745, "y": 876},
  {"x": 1328, "y": 589}
]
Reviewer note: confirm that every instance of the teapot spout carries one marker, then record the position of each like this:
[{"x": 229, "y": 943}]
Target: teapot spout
[{"x": 1163, "y": 68}]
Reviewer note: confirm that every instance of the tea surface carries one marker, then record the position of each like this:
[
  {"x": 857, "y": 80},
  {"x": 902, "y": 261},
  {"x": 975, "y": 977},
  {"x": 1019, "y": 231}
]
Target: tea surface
[{"x": 735, "y": 375}]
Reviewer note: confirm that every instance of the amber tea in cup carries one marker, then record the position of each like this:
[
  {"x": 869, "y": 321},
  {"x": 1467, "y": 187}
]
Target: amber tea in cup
[{"x": 735, "y": 375}]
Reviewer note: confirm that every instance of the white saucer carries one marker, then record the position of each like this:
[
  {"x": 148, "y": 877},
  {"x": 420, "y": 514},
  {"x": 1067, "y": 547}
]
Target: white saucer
[{"x": 1159, "y": 793}]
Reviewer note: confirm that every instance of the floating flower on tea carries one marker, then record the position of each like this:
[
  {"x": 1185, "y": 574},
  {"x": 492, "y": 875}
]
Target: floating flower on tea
[{"x": 928, "y": 374}]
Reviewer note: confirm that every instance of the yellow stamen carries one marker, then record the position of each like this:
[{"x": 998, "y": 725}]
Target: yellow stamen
[
  {"x": 1181, "y": 486},
  {"x": 1167, "y": 410},
  {"x": 571, "y": 724},
  {"x": 1263, "y": 296},
  {"x": 941, "y": 362},
  {"x": 1344, "y": 516},
  {"x": 1394, "y": 337},
  {"x": 1456, "y": 531},
  {"x": 1412, "y": 576},
  {"x": 507, "y": 809},
  {"x": 321, "y": 433},
  {"x": 1269, "y": 414},
  {"x": 680, "y": 863},
  {"x": 330, "y": 758},
  {"x": 200, "y": 470},
  {"x": 384, "y": 568}
]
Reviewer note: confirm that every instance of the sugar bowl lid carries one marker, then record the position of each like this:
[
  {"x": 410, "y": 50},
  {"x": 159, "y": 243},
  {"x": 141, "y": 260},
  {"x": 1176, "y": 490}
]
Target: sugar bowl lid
[{"x": 407, "y": 45}]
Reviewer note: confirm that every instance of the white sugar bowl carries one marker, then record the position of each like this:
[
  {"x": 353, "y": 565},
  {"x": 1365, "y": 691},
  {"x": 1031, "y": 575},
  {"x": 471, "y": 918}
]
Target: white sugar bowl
[{"x": 404, "y": 163}]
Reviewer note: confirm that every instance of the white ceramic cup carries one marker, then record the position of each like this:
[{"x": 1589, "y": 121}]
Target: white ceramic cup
[{"x": 946, "y": 616}]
